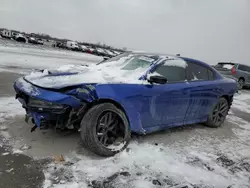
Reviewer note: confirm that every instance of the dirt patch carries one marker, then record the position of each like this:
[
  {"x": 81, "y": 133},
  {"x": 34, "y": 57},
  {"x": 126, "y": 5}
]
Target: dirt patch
[{"x": 19, "y": 170}]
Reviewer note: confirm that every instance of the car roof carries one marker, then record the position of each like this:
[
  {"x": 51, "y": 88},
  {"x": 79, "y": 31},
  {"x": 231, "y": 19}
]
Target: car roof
[
  {"x": 195, "y": 61},
  {"x": 169, "y": 55},
  {"x": 148, "y": 53},
  {"x": 243, "y": 64}
]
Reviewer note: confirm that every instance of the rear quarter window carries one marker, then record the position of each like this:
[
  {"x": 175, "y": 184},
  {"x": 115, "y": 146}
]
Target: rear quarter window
[
  {"x": 198, "y": 72},
  {"x": 211, "y": 75}
]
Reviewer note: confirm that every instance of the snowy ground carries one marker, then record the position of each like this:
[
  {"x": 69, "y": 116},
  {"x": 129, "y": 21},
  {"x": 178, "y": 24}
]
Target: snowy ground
[
  {"x": 20, "y": 57},
  {"x": 191, "y": 156}
]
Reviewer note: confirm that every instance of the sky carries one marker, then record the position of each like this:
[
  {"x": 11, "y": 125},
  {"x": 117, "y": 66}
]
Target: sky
[{"x": 209, "y": 30}]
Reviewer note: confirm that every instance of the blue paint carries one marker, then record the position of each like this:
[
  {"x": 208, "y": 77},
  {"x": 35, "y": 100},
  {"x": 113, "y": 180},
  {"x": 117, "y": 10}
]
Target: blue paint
[
  {"x": 149, "y": 108},
  {"x": 46, "y": 95},
  {"x": 37, "y": 117}
]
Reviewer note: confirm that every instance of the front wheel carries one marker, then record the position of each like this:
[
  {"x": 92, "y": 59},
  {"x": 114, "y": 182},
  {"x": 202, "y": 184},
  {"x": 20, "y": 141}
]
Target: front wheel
[
  {"x": 218, "y": 114},
  {"x": 105, "y": 130}
]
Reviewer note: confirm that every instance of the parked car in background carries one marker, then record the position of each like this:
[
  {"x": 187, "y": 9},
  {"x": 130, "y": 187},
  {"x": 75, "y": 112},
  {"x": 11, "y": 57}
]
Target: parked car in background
[
  {"x": 83, "y": 48},
  {"x": 32, "y": 40},
  {"x": 14, "y": 34},
  {"x": 109, "y": 53},
  {"x": 20, "y": 38},
  {"x": 90, "y": 50},
  {"x": 40, "y": 41},
  {"x": 100, "y": 52},
  {"x": 59, "y": 45},
  {"x": 236, "y": 71},
  {"x": 133, "y": 92},
  {"x": 72, "y": 45},
  {"x": 116, "y": 53},
  {"x": 6, "y": 33}
]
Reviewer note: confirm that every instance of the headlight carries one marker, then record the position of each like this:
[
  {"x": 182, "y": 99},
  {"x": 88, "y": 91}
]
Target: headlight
[{"x": 43, "y": 104}]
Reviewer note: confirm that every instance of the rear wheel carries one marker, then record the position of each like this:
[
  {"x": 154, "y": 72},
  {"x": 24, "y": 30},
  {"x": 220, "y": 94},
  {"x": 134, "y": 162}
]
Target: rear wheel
[
  {"x": 218, "y": 114},
  {"x": 241, "y": 83},
  {"x": 105, "y": 130}
]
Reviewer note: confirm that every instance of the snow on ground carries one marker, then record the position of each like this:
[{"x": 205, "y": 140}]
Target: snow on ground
[
  {"x": 144, "y": 164},
  {"x": 202, "y": 160},
  {"x": 241, "y": 103},
  {"x": 223, "y": 164},
  {"x": 12, "y": 57},
  {"x": 43, "y": 50},
  {"x": 9, "y": 109}
]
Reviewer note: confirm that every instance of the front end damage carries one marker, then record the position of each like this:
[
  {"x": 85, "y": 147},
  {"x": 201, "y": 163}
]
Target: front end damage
[{"x": 53, "y": 109}]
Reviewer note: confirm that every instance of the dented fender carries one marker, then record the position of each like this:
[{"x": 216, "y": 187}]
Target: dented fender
[{"x": 113, "y": 92}]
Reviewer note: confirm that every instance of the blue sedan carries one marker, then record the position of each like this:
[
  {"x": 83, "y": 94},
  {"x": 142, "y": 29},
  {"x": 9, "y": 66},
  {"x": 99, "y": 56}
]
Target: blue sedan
[{"x": 133, "y": 92}]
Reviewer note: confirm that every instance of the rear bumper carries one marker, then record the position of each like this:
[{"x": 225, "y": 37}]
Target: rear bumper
[{"x": 233, "y": 78}]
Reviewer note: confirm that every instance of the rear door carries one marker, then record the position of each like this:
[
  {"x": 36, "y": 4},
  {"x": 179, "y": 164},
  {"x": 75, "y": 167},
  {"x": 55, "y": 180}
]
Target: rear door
[
  {"x": 244, "y": 73},
  {"x": 248, "y": 76},
  {"x": 203, "y": 91}
]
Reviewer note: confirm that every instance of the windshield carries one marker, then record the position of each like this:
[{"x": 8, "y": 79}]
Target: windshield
[
  {"x": 138, "y": 62},
  {"x": 130, "y": 62},
  {"x": 129, "y": 66}
]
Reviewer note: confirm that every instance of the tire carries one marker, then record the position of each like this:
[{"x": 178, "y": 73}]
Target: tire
[
  {"x": 91, "y": 122},
  {"x": 220, "y": 110},
  {"x": 241, "y": 83}
]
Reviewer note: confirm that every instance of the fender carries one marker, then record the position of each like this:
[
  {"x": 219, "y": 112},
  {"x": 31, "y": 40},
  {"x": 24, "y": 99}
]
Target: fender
[{"x": 121, "y": 93}]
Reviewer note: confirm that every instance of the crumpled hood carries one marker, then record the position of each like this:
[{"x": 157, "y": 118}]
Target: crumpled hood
[{"x": 73, "y": 75}]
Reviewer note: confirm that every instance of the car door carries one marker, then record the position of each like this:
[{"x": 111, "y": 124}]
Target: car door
[
  {"x": 203, "y": 91},
  {"x": 245, "y": 73},
  {"x": 165, "y": 105},
  {"x": 248, "y": 76}
]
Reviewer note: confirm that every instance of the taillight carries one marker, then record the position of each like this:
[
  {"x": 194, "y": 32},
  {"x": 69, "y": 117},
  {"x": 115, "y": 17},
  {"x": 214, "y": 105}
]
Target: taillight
[{"x": 233, "y": 70}]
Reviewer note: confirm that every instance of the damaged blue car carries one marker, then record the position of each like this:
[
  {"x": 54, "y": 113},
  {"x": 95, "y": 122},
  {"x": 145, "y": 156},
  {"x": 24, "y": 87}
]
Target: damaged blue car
[{"x": 131, "y": 93}]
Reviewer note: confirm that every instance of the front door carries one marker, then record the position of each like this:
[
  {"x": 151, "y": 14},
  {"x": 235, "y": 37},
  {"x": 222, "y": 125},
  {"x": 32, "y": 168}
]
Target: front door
[{"x": 165, "y": 105}]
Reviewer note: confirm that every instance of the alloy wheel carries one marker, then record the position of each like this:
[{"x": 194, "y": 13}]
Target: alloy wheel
[
  {"x": 220, "y": 112},
  {"x": 110, "y": 129},
  {"x": 241, "y": 83}
]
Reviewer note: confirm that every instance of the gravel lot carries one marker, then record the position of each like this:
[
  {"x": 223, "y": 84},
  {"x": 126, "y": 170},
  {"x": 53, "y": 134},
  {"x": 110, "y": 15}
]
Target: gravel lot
[{"x": 190, "y": 156}]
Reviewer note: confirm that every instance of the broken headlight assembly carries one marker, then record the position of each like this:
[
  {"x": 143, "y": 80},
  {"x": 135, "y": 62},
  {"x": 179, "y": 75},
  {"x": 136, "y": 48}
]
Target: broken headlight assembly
[{"x": 40, "y": 104}]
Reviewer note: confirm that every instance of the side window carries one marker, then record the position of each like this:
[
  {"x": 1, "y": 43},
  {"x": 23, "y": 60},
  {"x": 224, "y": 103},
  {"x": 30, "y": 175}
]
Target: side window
[
  {"x": 247, "y": 69},
  {"x": 173, "y": 70},
  {"x": 198, "y": 72},
  {"x": 243, "y": 68}
]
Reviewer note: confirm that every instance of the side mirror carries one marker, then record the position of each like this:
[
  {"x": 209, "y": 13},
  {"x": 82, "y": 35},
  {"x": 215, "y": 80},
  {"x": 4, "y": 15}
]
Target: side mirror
[{"x": 157, "y": 79}]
